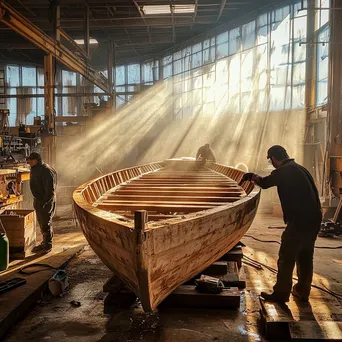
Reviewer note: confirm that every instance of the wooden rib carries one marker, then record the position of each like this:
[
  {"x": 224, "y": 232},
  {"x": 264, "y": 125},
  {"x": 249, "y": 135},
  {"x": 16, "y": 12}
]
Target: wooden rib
[
  {"x": 157, "y": 176},
  {"x": 160, "y": 208},
  {"x": 137, "y": 203},
  {"x": 153, "y": 217},
  {"x": 175, "y": 186},
  {"x": 171, "y": 198},
  {"x": 178, "y": 192},
  {"x": 177, "y": 181}
]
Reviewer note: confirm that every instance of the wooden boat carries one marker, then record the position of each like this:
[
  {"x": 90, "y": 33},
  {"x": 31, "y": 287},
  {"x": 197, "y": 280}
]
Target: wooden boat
[{"x": 158, "y": 225}]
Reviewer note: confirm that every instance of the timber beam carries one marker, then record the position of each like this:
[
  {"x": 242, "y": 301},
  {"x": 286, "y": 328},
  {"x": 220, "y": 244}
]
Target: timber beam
[{"x": 34, "y": 34}]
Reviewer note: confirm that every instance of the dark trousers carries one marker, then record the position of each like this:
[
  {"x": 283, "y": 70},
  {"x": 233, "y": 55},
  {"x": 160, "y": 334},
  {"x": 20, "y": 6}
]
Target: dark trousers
[
  {"x": 297, "y": 247},
  {"x": 44, "y": 217}
]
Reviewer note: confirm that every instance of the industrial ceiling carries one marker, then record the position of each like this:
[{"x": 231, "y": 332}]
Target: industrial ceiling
[{"x": 137, "y": 30}]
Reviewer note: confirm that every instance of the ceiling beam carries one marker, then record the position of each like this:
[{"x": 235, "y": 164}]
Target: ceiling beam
[
  {"x": 25, "y": 28},
  {"x": 143, "y": 17},
  {"x": 222, "y": 6}
]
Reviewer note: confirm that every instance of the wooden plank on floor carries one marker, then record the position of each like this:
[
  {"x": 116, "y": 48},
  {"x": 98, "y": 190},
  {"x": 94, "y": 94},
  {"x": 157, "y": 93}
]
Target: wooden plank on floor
[
  {"x": 315, "y": 331},
  {"x": 16, "y": 303},
  {"x": 187, "y": 296},
  {"x": 229, "y": 272},
  {"x": 234, "y": 254},
  {"x": 275, "y": 318}
]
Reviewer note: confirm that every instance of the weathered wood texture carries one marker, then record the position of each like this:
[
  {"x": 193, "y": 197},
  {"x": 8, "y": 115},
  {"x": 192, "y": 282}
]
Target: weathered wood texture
[
  {"x": 155, "y": 260},
  {"x": 15, "y": 304},
  {"x": 20, "y": 226}
]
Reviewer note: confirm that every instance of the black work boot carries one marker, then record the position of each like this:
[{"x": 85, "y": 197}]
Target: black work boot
[
  {"x": 296, "y": 292},
  {"x": 42, "y": 248},
  {"x": 275, "y": 297}
]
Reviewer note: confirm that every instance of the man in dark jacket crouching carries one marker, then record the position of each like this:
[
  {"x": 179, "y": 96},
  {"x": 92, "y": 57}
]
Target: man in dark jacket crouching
[
  {"x": 302, "y": 214},
  {"x": 43, "y": 181}
]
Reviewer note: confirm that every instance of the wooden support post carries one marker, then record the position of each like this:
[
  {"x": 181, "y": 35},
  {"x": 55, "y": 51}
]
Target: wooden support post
[
  {"x": 110, "y": 72},
  {"x": 335, "y": 93},
  {"x": 49, "y": 149},
  {"x": 49, "y": 92},
  {"x": 57, "y": 23},
  {"x": 86, "y": 31},
  {"x": 140, "y": 223}
]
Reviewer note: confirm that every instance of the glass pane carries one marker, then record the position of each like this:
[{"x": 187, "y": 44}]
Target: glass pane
[
  {"x": 12, "y": 76},
  {"x": 29, "y": 77},
  {"x": 133, "y": 73},
  {"x": 222, "y": 50},
  {"x": 222, "y": 38},
  {"x": 177, "y": 66},
  {"x": 206, "y": 56},
  {"x": 322, "y": 67},
  {"x": 148, "y": 72},
  {"x": 262, "y": 35},
  {"x": 197, "y": 47},
  {"x": 248, "y": 35},
  {"x": 196, "y": 60},
  {"x": 120, "y": 75},
  {"x": 68, "y": 78},
  {"x": 167, "y": 71},
  {"x": 262, "y": 20},
  {"x": 177, "y": 55},
  {"x": 156, "y": 70},
  {"x": 206, "y": 44},
  {"x": 234, "y": 41}
]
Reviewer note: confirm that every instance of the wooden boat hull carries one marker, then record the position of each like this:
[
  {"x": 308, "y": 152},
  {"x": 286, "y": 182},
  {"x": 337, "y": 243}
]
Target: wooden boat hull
[{"x": 154, "y": 258}]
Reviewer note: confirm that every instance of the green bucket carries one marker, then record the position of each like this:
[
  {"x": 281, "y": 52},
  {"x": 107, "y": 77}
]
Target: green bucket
[{"x": 4, "y": 252}]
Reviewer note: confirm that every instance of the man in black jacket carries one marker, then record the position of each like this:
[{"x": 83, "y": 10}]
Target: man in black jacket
[
  {"x": 43, "y": 181},
  {"x": 205, "y": 153},
  {"x": 302, "y": 214}
]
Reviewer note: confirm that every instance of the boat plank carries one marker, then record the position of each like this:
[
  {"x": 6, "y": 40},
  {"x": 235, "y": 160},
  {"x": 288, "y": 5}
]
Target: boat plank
[
  {"x": 172, "y": 198},
  {"x": 173, "y": 202},
  {"x": 178, "y": 192},
  {"x": 155, "y": 207},
  {"x": 183, "y": 186}
]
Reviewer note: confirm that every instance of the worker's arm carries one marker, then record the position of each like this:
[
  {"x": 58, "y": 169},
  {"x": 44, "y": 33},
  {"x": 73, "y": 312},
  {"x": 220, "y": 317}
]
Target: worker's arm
[
  {"x": 198, "y": 154},
  {"x": 49, "y": 186},
  {"x": 263, "y": 182}
]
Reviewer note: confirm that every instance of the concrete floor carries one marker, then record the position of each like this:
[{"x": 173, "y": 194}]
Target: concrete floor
[{"x": 56, "y": 319}]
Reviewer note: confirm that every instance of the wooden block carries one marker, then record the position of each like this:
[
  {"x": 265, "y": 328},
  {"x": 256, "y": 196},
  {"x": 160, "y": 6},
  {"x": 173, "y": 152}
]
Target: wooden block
[
  {"x": 275, "y": 318},
  {"x": 315, "y": 331},
  {"x": 119, "y": 300},
  {"x": 187, "y": 296},
  {"x": 217, "y": 268},
  {"x": 235, "y": 254},
  {"x": 20, "y": 226},
  {"x": 113, "y": 284}
]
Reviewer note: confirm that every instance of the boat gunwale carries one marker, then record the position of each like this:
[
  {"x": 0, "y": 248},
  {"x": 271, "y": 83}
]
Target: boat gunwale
[{"x": 123, "y": 221}]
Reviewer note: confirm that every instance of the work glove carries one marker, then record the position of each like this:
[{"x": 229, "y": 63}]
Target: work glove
[{"x": 247, "y": 177}]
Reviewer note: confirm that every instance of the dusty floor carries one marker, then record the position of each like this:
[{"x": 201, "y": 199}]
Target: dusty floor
[{"x": 56, "y": 319}]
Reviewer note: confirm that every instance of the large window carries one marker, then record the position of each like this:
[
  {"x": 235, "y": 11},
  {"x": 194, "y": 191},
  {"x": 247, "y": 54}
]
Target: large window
[{"x": 322, "y": 66}]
